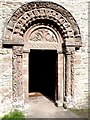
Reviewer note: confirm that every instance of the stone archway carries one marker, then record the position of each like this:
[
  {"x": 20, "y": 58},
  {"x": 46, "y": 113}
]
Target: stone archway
[{"x": 42, "y": 25}]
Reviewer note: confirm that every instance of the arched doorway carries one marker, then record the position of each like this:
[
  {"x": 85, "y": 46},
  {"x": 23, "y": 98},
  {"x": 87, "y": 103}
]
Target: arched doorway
[
  {"x": 42, "y": 26},
  {"x": 42, "y": 44}
]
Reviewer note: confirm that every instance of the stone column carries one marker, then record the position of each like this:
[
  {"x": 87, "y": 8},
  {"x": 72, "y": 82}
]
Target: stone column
[
  {"x": 60, "y": 79},
  {"x": 26, "y": 74},
  {"x": 17, "y": 80},
  {"x": 72, "y": 73},
  {"x": 68, "y": 78}
]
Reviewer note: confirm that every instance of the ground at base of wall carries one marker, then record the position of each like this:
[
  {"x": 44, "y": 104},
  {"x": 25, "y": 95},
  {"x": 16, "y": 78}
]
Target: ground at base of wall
[{"x": 82, "y": 113}]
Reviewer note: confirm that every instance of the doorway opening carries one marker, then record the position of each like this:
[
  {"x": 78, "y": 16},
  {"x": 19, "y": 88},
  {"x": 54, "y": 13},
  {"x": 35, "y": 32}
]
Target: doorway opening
[{"x": 43, "y": 72}]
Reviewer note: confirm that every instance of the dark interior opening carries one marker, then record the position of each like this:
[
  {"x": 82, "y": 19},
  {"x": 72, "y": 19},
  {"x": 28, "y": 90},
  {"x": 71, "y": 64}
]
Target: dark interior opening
[{"x": 42, "y": 72}]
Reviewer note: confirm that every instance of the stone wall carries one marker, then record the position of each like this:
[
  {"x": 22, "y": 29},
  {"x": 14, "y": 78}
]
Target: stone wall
[{"x": 79, "y": 9}]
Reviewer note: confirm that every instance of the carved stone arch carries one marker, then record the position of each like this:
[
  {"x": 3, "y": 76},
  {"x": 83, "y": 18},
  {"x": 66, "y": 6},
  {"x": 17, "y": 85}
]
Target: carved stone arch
[
  {"x": 44, "y": 25},
  {"x": 31, "y": 12}
]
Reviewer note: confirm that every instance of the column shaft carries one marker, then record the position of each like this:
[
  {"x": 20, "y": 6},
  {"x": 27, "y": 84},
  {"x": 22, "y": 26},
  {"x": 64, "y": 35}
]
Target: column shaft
[
  {"x": 60, "y": 79},
  {"x": 17, "y": 82},
  {"x": 68, "y": 77}
]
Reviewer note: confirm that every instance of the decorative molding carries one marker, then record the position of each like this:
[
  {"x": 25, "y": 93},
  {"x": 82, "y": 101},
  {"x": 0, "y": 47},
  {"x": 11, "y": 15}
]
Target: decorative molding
[
  {"x": 42, "y": 45},
  {"x": 43, "y": 13}
]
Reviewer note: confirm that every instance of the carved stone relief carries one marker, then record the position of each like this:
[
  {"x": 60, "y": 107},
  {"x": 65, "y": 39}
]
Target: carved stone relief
[
  {"x": 35, "y": 5},
  {"x": 43, "y": 35},
  {"x": 24, "y": 22},
  {"x": 17, "y": 83}
]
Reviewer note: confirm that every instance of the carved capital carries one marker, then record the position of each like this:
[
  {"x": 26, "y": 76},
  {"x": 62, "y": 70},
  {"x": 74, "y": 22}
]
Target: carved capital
[
  {"x": 69, "y": 50},
  {"x": 17, "y": 50}
]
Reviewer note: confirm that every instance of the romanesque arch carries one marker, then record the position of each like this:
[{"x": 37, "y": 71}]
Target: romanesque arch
[{"x": 42, "y": 25}]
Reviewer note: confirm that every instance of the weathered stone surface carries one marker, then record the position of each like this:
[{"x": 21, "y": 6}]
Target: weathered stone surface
[{"x": 5, "y": 80}]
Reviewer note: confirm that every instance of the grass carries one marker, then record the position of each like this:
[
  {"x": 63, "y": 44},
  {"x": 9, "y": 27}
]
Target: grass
[
  {"x": 82, "y": 113},
  {"x": 15, "y": 115}
]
